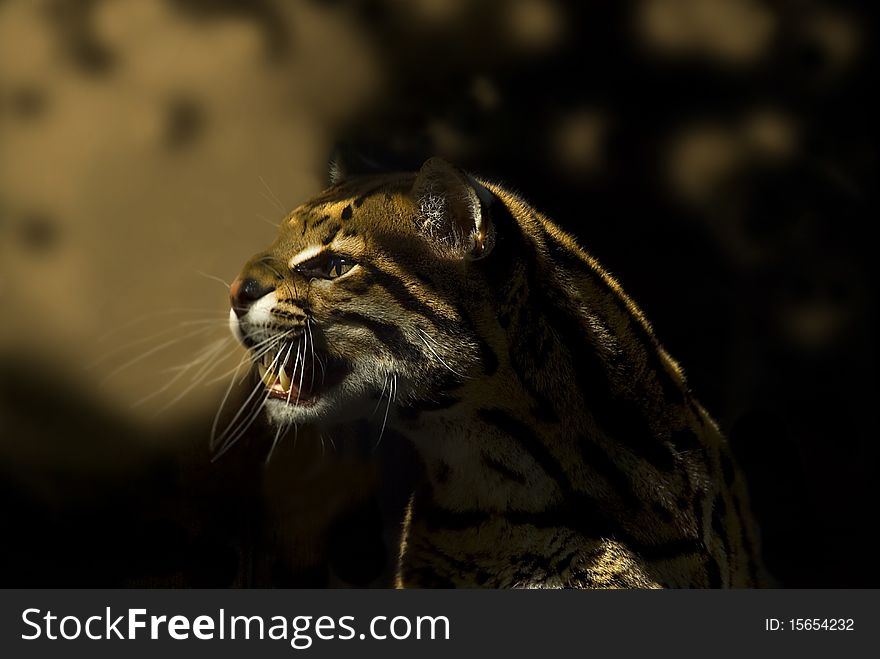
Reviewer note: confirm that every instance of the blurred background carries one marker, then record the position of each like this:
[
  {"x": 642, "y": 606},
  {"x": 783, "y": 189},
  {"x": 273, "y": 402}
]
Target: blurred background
[{"x": 717, "y": 156}]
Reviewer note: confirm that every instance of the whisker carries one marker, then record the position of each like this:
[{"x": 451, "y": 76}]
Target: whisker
[
  {"x": 204, "y": 355},
  {"x": 157, "y": 314},
  {"x": 287, "y": 356},
  {"x": 212, "y": 277},
  {"x": 268, "y": 221},
  {"x": 381, "y": 395},
  {"x": 215, "y": 438},
  {"x": 293, "y": 371},
  {"x": 265, "y": 346},
  {"x": 271, "y": 201},
  {"x": 244, "y": 426},
  {"x": 274, "y": 198},
  {"x": 440, "y": 359},
  {"x": 282, "y": 430},
  {"x": 234, "y": 432},
  {"x": 315, "y": 356},
  {"x": 312, "y": 344},
  {"x": 153, "y": 351},
  {"x": 196, "y": 380},
  {"x": 212, "y": 441},
  {"x": 391, "y": 393},
  {"x": 250, "y": 398},
  {"x": 146, "y": 339},
  {"x": 302, "y": 369},
  {"x": 427, "y": 336},
  {"x": 249, "y": 411},
  {"x": 222, "y": 343}
]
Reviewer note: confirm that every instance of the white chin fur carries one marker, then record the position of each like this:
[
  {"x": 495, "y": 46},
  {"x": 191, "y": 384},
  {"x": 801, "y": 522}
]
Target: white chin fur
[{"x": 281, "y": 413}]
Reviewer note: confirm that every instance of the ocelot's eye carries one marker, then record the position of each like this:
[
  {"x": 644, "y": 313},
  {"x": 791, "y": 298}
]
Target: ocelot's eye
[
  {"x": 338, "y": 266},
  {"x": 326, "y": 266}
]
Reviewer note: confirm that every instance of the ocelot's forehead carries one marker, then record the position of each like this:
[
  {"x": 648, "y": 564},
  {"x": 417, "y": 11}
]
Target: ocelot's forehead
[{"x": 348, "y": 217}]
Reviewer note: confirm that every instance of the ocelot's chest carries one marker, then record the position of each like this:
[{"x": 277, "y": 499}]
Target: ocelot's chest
[{"x": 471, "y": 465}]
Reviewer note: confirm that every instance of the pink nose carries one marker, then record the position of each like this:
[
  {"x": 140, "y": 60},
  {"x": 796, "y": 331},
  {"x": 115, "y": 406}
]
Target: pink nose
[{"x": 244, "y": 292}]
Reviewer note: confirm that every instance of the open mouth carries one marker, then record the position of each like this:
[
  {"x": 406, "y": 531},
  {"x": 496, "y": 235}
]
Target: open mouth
[{"x": 298, "y": 380}]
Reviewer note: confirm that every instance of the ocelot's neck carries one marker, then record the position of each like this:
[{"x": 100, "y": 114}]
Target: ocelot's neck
[{"x": 489, "y": 458}]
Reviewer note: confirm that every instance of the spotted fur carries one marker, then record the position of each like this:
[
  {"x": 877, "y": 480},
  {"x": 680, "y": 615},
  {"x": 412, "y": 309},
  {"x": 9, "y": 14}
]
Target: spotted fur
[{"x": 561, "y": 445}]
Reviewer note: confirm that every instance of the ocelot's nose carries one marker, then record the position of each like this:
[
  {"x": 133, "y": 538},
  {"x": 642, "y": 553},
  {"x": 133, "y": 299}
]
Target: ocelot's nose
[{"x": 244, "y": 292}]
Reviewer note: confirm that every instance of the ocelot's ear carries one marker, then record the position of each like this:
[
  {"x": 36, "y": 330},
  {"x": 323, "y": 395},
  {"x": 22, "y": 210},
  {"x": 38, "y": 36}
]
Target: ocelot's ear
[
  {"x": 454, "y": 210},
  {"x": 346, "y": 161}
]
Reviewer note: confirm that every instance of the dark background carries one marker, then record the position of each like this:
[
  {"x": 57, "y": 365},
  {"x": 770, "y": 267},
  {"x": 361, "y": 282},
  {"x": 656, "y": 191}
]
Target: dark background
[{"x": 717, "y": 156}]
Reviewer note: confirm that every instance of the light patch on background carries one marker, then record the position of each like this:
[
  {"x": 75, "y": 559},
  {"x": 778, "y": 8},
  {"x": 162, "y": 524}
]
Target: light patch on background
[
  {"x": 534, "y": 25},
  {"x": 705, "y": 157},
  {"x": 578, "y": 141},
  {"x": 161, "y": 175},
  {"x": 731, "y": 31}
]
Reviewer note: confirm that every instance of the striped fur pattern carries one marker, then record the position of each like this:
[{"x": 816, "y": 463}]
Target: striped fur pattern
[{"x": 561, "y": 445}]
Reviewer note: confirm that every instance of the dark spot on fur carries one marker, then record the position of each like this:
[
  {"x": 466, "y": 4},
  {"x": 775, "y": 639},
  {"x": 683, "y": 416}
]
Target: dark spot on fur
[
  {"x": 719, "y": 514},
  {"x": 331, "y": 234},
  {"x": 319, "y": 221},
  {"x": 503, "y": 470},
  {"x": 346, "y": 212}
]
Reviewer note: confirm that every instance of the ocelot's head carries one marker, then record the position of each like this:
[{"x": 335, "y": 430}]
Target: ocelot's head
[{"x": 365, "y": 293}]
